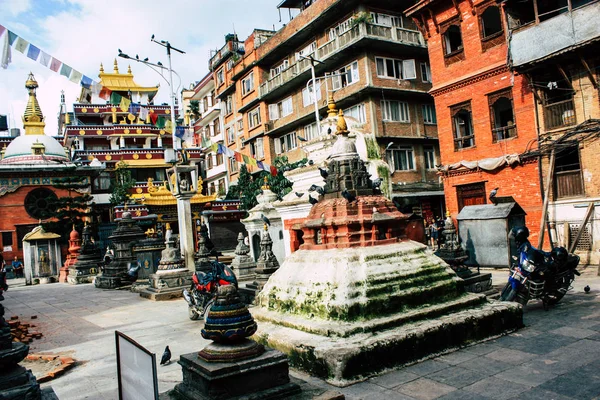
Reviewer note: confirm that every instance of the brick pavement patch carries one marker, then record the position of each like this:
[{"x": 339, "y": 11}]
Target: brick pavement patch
[{"x": 48, "y": 366}]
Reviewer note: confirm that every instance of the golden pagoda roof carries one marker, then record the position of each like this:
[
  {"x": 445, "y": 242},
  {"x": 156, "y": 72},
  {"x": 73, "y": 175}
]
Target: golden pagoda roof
[
  {"x": 38, "y": 233},
  {"x": 159, "y": 195},
  {"x": 122, "y": 82}
]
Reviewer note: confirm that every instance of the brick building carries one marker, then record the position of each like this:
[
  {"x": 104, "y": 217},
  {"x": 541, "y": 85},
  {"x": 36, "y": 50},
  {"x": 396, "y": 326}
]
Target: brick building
[
  {"x": 564, "y": 75},
  {"x": 371, "y": 58},
  {"x": 486, "y": 113}
]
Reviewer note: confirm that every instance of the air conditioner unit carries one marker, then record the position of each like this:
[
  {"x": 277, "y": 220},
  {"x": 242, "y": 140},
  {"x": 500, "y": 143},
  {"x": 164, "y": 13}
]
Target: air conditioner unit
[{"x": 268, "y": 126}]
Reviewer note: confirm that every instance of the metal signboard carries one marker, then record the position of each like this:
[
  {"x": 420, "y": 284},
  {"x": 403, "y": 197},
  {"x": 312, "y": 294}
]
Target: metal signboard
[{"x": 136, "y": 370}]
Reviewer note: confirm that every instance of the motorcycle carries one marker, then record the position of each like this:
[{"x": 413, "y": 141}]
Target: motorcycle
[
  {"x": 536, "y": 274},
  {"x": 204, "y": 288}
]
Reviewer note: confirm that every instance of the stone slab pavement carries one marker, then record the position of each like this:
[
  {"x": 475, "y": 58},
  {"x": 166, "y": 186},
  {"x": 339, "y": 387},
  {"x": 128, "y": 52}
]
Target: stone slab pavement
[{"x": 556, "y": 356}]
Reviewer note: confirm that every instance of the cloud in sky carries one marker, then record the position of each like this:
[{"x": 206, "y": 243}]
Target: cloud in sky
[{"x": 85, "y": 33}]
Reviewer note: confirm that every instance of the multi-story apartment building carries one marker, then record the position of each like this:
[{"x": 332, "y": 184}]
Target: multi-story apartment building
[
  {"x": 563, "y": 74},
  {"x": 208, "y": 125},
  {"x": 371, "y": 59},
  {"x": 485, "y": 112}
]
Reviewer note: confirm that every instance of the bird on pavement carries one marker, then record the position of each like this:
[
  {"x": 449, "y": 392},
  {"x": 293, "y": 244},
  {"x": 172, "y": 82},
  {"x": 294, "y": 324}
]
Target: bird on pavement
[
  {"x": 166, "y": 357},
  {"x": 323, "y": 172},
  {"x": 348, "y": 196},
  {"x": 299, "y": 194},
  {"x": 312, "y": 200},
  {"x": 318, "y": 189},
  {"x": 134, "y": 271},
  {"x": 493, "y": 196},
  {"x": 265, "y": 219},
  {"x": 586, "y": 288}
]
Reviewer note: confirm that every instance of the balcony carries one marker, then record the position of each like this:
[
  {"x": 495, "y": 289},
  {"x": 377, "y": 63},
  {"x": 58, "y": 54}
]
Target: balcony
[
  {"x": 107, "y": 130},
  {"x": 559, "y": 115},
  {"x": 219, "y": 56},
  {"x": 95, "y": 109},
  {"x": 348, "y": 38},
  {"x": 534, "y": 42}
]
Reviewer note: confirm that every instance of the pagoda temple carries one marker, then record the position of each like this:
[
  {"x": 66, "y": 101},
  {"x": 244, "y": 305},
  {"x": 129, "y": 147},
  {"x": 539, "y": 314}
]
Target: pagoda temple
[
  {"x": 31, "y": 168},
  {"x": 100, "y": 129}
]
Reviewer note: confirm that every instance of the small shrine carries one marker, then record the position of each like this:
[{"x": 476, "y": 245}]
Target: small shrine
[
  {"x": 243, "y": 265},
  {"x": 267, "y": 263},
  {"x": 88, "y": 260},
  {"x": 41, "y": 256},
  {"x": 206, "y": 248},
  {"x": 124, "y": 238},
  {"x": 254, "y": 223},
  {"x": 74, "y": 248},
  {"x": 233, "y": 365},
  {"x": 148, "y": 253}
]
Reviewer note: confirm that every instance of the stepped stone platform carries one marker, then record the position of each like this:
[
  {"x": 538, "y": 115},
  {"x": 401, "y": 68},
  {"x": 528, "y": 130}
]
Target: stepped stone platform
[{"x": 346, "y": 314}]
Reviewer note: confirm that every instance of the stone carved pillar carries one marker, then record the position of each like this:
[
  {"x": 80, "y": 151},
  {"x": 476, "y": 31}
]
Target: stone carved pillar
[
  {"x": 243, "y": 264},
  {"x": 267, "y": 263}
]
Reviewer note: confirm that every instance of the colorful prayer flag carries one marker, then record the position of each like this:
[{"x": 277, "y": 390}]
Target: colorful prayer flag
[
  {"x": 104, "y": 93},
  {"x": 143, "y": 113},
  {"x": 229, "y": 152},
  {"x": 86, "y": 82},
  {"x": 55, "y": 64},
  {"x": 154, "y": 119},
  {"x": 214, "y": 147},
  {"x": 220, "y": 149},
  {"x": 252, "y": 161},
  {"x": 45, "y": 59},
  {"x": 2, "y": 29},
  {"x": 180, "y": 132},
  {"x": 124, "y": 104},
  {"x": 273, "y": 171},
  {"x": 260, "y": 165},
  {"x": 65, "y": 70},
  {"x": 33, "y": 52},
  {"x": 115, "y": 98},
  {"x": 6, "y": 53},
  {"x": 21, "y": 45},
  {"x": 76, "y": 77},
  {"x": 160, "y": 122},
  {"x": 246, "y": 159},
  {"x": 238, "y": 156},
  {"x": 12, "y": 37},
  {"x": 169, "y": 126}
]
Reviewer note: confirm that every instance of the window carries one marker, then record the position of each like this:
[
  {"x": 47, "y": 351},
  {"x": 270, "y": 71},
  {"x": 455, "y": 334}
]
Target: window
[
  {"x": 357, "y": 112},
  {"x": 307, "y": 95},
  {"x": 230, "y": 135},
  {"x": 101, "y": 183},
  {"x": 254, "y": 118},
  {"x": 310, "y": 131},
  {"x": 425, "y": 72},
  {"x": 394, "y": 110},
  {"x": 567, "y": 170},
  {"x": 248, "y": 84},
  {"x": 7, "y": 239},
  {"x": 346, "y": 76},
  {"x": 452, "y": 40},
  {"x": 220, "y": 77},
  {"x": 230, "y": 63},
  {"x": 387, "y": 20},
  {"x": 557, "y": 98},
  {"x": 286, "y": 143},
  {"x": 501, "y": 115},
  {"x": 402, "y": 158},
  {"x": 257, "y": 149},
  {"x": 209, "y": 161},
  {"x": 211, "y": 188},
  {"x": 340, "y": 29},
  {"x": 429, "y": 155},
  {"x": 222, "y": 187},
  {"x": 241, "y": 126},
  {"x": 388, "y": 68},
  {"x": 306, "y": 51},
  {"x": 229, "y": 105},
  {"x": 281, "y": 109},
  {"x": 280, "y": 68},
  {"x": 219, "y": 159},
  {"x": 233, "y": 165},
  {"x": 491, "y": 22},
  {"x": 429, "y": 114},
  {"x": 40, "y": 203},
  {"x": 217, "y": 127},
  {"x": 462, "y": 125}
]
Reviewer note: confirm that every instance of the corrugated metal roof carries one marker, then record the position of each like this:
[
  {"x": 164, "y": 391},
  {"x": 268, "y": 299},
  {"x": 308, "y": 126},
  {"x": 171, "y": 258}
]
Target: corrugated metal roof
[{"x": 490, "y": 211}]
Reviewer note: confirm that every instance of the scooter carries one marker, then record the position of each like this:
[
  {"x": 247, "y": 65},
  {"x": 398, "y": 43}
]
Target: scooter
[
  {"x": 536, "y": 274},
  {"x": 204, "y": 288}
]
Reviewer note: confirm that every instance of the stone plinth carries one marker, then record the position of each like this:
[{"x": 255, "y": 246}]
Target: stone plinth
[
  {"x": 254, "y": 224},
  {"x": 243, "y": 265},
  {"x": 74, "y": 248},
  {"x": 124, "y": 238},
  {"x": 171, "y": 277},
  {"x": 88, "y": 261}
]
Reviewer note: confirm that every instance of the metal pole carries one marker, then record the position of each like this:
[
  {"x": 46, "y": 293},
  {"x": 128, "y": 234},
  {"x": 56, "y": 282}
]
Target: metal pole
[
  {"x": 173, "y": 121},
  {"x": 314, "y": 85}
]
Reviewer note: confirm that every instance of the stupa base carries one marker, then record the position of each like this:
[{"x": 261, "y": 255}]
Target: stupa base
[
  {"x": 342, "y": 361},
  {"x": 108, "y": 282},
  {"x": 167, "y": 285},
  {"x": 264, "y": 376},
  {"x": 19, "y": 383},
  {"x": 76, "y": 279}
]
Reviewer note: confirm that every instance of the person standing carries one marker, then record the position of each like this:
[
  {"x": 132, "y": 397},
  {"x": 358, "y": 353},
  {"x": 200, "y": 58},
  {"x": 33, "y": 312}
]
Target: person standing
[{"x": 17, "y": 267}]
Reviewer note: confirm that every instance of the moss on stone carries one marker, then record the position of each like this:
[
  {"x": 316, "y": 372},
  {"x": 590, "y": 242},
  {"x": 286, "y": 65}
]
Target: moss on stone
[{"x": 372, "y": 148}]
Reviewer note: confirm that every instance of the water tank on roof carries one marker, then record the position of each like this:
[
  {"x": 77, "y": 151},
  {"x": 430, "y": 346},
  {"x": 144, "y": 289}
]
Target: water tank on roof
[{"x": 14, "y": 132}]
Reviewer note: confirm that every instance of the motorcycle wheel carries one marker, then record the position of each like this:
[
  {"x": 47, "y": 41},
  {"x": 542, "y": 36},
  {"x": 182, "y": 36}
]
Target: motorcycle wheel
[
  {"x": 193, "y": 314},
  {"x": 508, "y": 293},
  {"x": 556, "y": 295},
  {"x": 207, "y": 307}
]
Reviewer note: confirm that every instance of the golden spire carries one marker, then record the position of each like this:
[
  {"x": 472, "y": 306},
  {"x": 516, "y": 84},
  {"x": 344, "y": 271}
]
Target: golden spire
[
  {"x": 101, "y": 68},
  {"x": 116, "y": 67},
  {"x": 331, "y": 106},
  {"x": 342, "y": 128},
  {"x": 266, "y": 186},
  {"x": 129, "y": 69},
  {"x": 33, "y": 119}
]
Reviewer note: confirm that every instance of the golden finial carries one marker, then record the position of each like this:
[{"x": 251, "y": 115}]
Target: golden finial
[
  {"x": 331, "y": 107},
  {"x": 101, "y": 68},
  {"x": 129, "y": 69},
  {"x": 448, "y": 213},
  {"x": 116, "y": 67},
  {"x": 168, "y": 226},
  {"x": 33, "y": 117},
  {"x": 265, "y": 186},
  {"x": 342, "y": 128},
  {"x": 266, "y": 227}
]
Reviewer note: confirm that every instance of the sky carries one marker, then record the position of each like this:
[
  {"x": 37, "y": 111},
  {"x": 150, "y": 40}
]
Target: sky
[{"x": 85, "y": 33}]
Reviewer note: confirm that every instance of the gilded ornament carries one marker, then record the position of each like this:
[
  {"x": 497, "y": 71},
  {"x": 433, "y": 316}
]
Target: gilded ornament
[
  {"x": 96, "y": 110},
  {"x": 131, "y": 117},
  {"x": 138, "y": 130},
  {"x": 162, "y": 132},
  {"x": 99, "y": 132},
  {"x": 90, "y": 157},
  {"x": 126, "y": 131},
  {"x": 148, "y": 156},
  {"x": 84, "y": 110},
  {"x": 113, "y": 109},
  {"x": 167, "y": 111},
  {"x": 138, "y": 190},
  {"x": 136, "y": 156},
  {"x": 108, "y": 157},
  {"x": 81, "y": 132}
]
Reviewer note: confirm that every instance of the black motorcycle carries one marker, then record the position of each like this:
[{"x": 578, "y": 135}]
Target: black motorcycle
[
  {"x": 203, "y": 292},
  {"x": 536, "y": 274}
]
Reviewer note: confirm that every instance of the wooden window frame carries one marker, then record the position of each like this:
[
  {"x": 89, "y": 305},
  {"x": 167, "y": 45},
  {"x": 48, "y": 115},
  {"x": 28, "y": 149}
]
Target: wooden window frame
[
  {"x": 454, "y": 110},
  {"x": 492, "y": 99},
  {"x": 456, "y": 55},
  {"x": 495, "y": 39}
]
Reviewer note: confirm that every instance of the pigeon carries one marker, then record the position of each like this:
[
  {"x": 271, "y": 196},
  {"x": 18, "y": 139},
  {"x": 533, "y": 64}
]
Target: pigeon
[
  {"x": 159, "y": 63},
  {"x": 146, "y": 59},
  {"x": 312, "y": 200},
  {"x": 299, "y": 194},
  {"x": 348, "y": 196},
  {"x": 318, "y": 189},
  {"x": 586, "y": 288},
  {"x": 323, "y": 172},
  {"x": 300, "y": 138},
  {"x": 265, "y": 219},
  {"x": 134, "y": 271},
  {"x": 166, "y": 357},
  {"x": 377, "y": 183},
  {"x": 137, "y": 57},
  {"x": 493, "y": 196},
  {"x": 119, "y": 51},
  {"x": 329, "y": 131},
  {"x": 310, "y": 162}
]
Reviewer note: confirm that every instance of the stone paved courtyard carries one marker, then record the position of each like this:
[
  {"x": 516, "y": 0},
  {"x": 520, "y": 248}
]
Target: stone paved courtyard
[{"x": 556, "y": 356}]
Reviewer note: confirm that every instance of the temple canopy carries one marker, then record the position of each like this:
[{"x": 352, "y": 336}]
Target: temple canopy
[{"x": 118, "y": 82}]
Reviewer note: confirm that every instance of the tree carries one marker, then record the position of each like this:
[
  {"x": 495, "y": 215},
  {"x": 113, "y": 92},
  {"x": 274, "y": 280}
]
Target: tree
[
  {"x": 246, "y": 189},
  {"x": 194, "y": 109},
  {"x": 121, "y": 184},
  {"x": 71, "y": 210}
]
